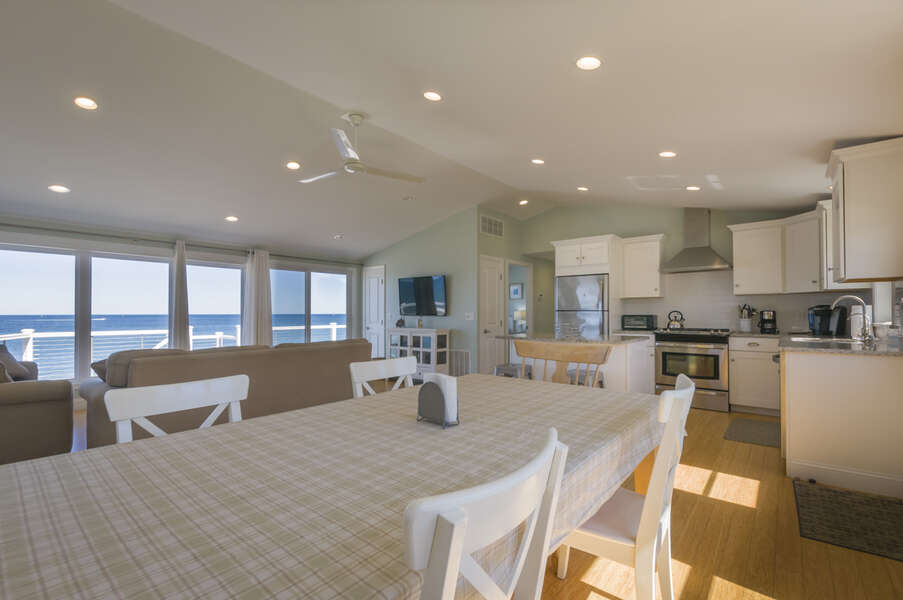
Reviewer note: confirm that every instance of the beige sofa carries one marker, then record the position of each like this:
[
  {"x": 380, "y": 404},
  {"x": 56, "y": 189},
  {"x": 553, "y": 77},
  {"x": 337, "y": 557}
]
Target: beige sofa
[
  {"x": 35, "y": 419},
  {"x": 283, "y": 378}
]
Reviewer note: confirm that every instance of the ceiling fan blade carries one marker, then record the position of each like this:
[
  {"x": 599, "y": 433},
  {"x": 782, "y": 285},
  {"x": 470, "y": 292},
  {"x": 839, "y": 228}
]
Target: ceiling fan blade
[
  {"x": 392, "y": 174},
  {"x": 318, "y": 177},
  {"x": 344, "y": 145}
]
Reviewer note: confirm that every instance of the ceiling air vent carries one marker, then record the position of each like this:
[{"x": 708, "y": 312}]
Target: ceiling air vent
[{"x": 491, "y": 226}]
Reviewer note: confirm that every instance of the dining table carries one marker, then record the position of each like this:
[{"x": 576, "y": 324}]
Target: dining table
[{"x": 305, "y": 503}]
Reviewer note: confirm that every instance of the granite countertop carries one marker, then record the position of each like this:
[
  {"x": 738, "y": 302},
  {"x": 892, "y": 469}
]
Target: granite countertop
[
  {"x": 614, "y": 339},
  {"x": 880, "y": 348}
]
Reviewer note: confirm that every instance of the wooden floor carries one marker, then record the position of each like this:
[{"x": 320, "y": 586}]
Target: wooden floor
[{"x": 735, "y": 535}]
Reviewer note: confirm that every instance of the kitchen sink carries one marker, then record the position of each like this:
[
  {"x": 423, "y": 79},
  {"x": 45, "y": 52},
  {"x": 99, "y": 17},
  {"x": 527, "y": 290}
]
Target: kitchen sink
[{"x": 825, "y": 340}]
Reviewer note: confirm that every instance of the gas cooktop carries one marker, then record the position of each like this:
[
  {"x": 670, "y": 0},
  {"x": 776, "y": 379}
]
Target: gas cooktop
[
  {"x": 696, "y": 331},
  {"x": 693, "y": 334}
]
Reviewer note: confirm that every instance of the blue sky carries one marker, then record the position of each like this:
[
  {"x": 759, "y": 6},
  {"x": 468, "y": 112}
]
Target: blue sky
[{"x": 37, "y": 283}]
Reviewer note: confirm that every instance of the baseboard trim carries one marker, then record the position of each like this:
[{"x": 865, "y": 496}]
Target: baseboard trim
[
  {"x": 755, "y": 410},
  {"x": 863, "y": 481}
]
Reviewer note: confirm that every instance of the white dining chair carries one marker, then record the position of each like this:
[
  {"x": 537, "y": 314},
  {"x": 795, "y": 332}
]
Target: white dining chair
[
  {"x": 370, "y": 370},
  {"x": 633, "y": 529},
  {"x": 441, "y": 532},
  {"x": 134, "y": 404}
]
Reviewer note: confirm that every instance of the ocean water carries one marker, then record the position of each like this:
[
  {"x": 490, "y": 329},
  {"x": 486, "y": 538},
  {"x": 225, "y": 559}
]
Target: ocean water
[{"x": 55, "y": 353}]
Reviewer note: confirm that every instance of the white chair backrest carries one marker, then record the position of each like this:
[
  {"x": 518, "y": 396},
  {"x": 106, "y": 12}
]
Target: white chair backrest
[
  {"x": 370, "y": 370},
  {"x": 441, "y": 532},
  {"x": 673, "y": 408},
  {"x": 128, "y": 405}
]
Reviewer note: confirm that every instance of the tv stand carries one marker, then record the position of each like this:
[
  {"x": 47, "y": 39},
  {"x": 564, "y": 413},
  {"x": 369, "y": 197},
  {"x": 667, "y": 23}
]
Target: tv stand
[{"x": 429, "y": 346}]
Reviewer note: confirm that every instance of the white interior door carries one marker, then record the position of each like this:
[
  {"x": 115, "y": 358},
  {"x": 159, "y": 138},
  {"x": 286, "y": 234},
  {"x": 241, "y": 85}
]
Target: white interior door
[
  {"x": 375, "y": 309},
  {"x": 492, "y": 312}
]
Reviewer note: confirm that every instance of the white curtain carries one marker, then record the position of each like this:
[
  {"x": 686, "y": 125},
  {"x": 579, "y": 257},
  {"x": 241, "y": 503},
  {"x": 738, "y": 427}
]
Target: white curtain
[
  {"x": 179, "y": 336},
  {"x": 256, "y": 310}
]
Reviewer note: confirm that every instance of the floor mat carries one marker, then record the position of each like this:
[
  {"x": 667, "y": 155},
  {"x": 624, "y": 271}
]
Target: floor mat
[{"x": 751, "y": 431}]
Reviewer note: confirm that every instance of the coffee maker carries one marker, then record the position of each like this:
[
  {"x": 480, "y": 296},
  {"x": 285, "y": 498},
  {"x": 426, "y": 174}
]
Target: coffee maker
[{"x": 768, "y": 321}]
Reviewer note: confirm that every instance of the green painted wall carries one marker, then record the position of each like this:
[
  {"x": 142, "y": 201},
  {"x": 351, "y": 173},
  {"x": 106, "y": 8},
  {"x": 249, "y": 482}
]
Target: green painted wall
[
  {"x": 448, "y": 248},
  {"x": 513, "y": 246}
]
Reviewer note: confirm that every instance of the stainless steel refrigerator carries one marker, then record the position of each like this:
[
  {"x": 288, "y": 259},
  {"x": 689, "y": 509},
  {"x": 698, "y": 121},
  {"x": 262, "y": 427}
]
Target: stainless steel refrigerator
[{"x": 581, "y": 307}]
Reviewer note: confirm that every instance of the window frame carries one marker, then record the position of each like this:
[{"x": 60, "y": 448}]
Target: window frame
[
  {"x": 220, "y": 264},
  {"x": 282, "y": 263}
]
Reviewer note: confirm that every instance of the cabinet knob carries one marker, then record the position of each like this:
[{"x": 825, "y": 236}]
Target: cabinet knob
[
  {"x": 815, "y": 281},
  {"x": 655, "y": 289},
  {"x": 736, "y": 285}
]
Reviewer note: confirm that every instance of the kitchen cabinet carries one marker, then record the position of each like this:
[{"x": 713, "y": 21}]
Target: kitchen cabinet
[
  {"x": 754, "y": 376},
  {"x": 642, "y": 259},
  {"x": 826, "y": 234},
  {"x": 758, "y": 257},
  {"x": 802, "y": 257},
  {"x": 641, "y": 365},
  {"x": 867, "y": 209},
  {"x": 585, "y": 256}
]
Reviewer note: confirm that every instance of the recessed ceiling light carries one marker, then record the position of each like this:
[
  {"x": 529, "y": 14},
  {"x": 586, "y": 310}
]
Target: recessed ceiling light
[
  {"x": 538, "y": 161},
  {"x": 59, "y": 189},
  {"x": 338, "y": 236},
  {"x": 588, "y": 63},
  {"x": 693, "y": 188},
  {"x": 432, "y": 96},
  {"x": 831, "y": 187},
  {"x": 86, "y": 103},
  {"x": 582, "y": 188},
  {"x": 294, "y": 165},
  {"x": 232, "y": 218},
  {"x": 524, "y": 202},
  {"x": 667, "y": 154}
]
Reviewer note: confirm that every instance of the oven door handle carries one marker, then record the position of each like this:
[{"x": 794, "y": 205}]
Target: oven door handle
[{"x": 690, "y": 345}]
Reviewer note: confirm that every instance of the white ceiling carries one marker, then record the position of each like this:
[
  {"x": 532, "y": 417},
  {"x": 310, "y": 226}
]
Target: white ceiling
[{"x": 755, "y": 94}]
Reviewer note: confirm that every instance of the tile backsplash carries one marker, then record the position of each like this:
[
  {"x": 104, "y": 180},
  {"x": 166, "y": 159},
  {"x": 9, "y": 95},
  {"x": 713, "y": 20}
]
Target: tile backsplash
[{"x": 706, "y": 299}]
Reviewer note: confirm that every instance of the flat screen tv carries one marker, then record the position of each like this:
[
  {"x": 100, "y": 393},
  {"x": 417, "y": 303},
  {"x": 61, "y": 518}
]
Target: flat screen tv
[{"x": 422, "y": 296}]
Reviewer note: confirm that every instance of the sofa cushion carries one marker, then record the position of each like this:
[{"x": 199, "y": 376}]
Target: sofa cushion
[
  {"x": 4, "y": 375},
  {"x": 13, "y": 368},
  {"x": 117, "y": 373},
  {"x": 100, "y": 367},
  {"x": 230, "y": 349}
]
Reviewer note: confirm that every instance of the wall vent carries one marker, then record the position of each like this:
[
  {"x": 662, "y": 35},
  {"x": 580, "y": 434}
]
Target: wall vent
[
  {"x": 459, "y": 363},
  {"x": 492, "y": 226}
]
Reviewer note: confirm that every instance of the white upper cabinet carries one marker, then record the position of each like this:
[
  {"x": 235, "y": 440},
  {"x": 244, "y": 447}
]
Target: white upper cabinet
[
  {"x": 802, "y": 258},
  {"x": 758, "y": 257},
  {"x": 642, "y": 259},
  {"x": 826, "y": 233},
  {"x": 867, "y": 211},
  {"x": 584, "y": 256}
]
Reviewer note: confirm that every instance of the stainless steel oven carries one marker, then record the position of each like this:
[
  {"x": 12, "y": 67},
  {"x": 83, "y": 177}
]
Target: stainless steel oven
[{"x": 703, "y": 361}]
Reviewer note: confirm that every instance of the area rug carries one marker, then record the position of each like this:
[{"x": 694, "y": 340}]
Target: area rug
[
  {"x": 854, "y": 520},
  {"x": 751, "y": 431}
]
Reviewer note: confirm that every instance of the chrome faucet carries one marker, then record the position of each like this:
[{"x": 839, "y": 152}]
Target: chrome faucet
[{"x": 866, "y": 332}]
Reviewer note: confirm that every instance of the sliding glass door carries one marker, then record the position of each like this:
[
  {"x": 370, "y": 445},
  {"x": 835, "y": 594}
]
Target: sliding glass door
[
  {"x": 288, "y": 291},
  {"x": 214, "y": 306}
]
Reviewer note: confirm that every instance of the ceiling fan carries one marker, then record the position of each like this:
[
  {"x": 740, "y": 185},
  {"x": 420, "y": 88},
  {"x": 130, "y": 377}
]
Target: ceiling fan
[{"x": 351, "y": 159}]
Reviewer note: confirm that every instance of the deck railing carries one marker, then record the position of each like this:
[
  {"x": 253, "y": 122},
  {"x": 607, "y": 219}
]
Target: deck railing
[{"x": 54, "y": 351}]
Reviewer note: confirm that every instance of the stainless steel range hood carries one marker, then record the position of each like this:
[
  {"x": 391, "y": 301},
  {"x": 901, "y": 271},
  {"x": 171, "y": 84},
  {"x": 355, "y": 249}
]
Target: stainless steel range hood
[{"x": 697, "y": 254}]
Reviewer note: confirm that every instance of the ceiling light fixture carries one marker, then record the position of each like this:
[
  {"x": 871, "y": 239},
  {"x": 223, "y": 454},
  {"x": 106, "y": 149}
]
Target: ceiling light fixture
[
  {"x": 667, "y": 154},
  {"x": 588, "y": 63},
  {"x": 582, "y": 188},
  {"x": 693, "y": 188},
  {"x": 831, "y": 188},
  {"x": 86, "y": 103},
  {"x": 338, "y": 236},
  {"x": 232, "y": 218},
  {"x": 294, "y": 165},
  {"x": 59, "y": 189},
  {"x": 538, "y": 161},
  {"x": 524, "y": 202},
  {"x": 432, "y": 96}
]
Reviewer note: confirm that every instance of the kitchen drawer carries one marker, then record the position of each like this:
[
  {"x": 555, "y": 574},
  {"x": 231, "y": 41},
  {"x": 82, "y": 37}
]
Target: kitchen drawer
[{"x": 755, "y": 344}]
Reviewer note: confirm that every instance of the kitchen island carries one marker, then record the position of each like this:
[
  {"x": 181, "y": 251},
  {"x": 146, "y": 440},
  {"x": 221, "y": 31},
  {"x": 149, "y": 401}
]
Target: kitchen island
[
  {"x": 842, "y": 413},
  {"x": 630, "y": 366}
]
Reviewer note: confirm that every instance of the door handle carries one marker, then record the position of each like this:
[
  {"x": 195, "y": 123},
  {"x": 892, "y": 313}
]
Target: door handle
[{"x": 485, "y": 331}]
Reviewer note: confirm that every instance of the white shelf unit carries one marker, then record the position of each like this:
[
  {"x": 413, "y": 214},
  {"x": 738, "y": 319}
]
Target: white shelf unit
[{"x": 429, "y": 346}]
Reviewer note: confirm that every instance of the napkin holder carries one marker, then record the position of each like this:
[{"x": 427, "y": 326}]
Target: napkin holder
[{"x": 437, "y": 401}]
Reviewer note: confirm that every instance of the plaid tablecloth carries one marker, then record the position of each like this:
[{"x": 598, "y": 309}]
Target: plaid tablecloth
[{"x": 303, "y": 504}]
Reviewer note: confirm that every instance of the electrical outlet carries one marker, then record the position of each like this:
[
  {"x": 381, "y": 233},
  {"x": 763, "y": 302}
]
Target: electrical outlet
[{"x": 468, "y": 316}]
